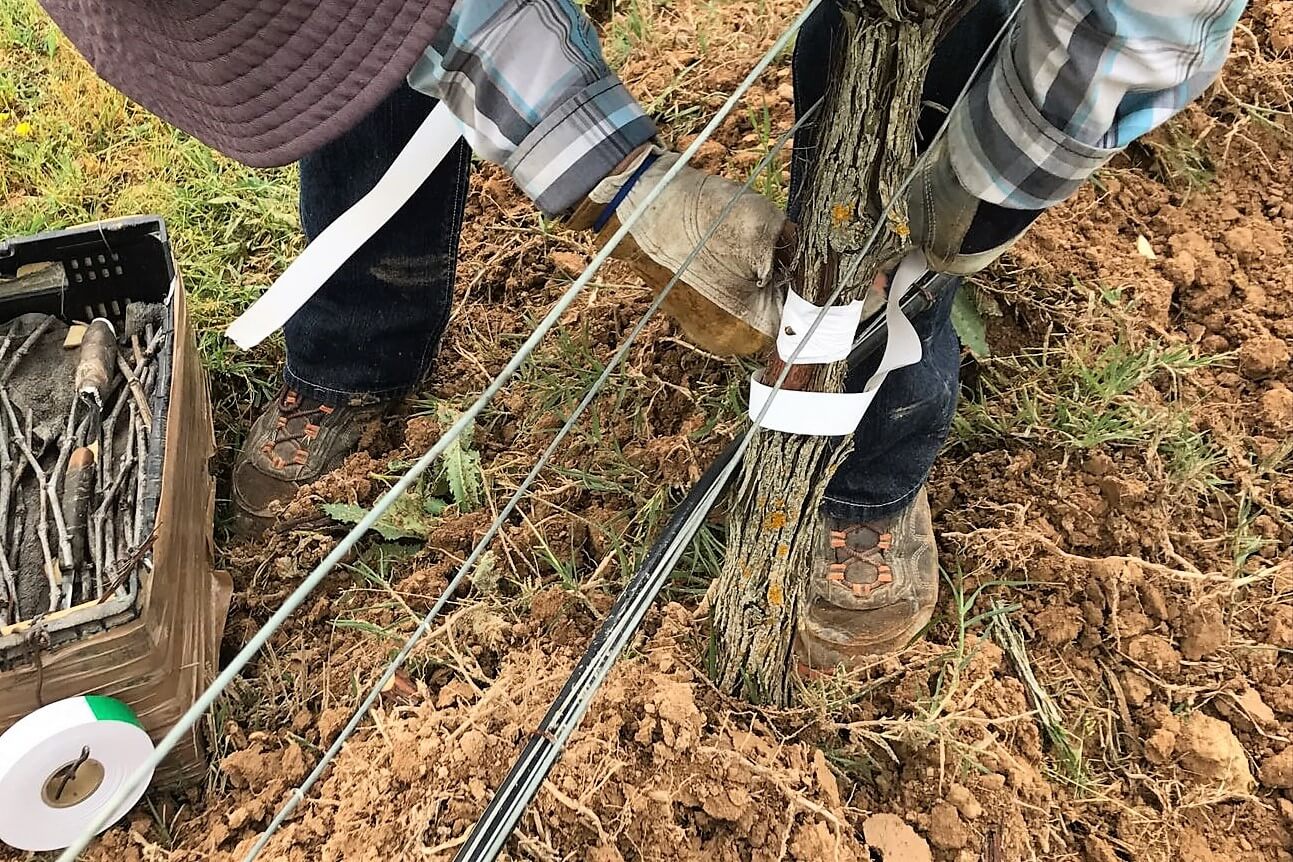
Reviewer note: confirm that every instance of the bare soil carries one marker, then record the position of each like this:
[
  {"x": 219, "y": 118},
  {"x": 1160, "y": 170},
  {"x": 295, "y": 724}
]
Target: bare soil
[{"x": 1148, "y": 714}]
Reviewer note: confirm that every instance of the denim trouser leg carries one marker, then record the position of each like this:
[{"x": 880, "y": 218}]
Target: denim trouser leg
[
  {"x": 373, "y": 328},
  {"x": 896, "y": 442}
]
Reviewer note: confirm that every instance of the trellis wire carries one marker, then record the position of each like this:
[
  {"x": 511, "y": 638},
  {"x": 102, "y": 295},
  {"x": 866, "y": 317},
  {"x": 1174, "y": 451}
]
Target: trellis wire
[
  {"x": 344, "y": 546},
  {"x": 495, "y": 826},
  {"x": 298, "y": 794},
  {"x": 677, "y": 545},
  {"x": 611, "y": 639}
]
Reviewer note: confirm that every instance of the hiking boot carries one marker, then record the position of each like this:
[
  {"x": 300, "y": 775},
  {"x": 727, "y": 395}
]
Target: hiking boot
[
  {"x": 294, "y": 442},
  {"x": 874, "y": 587}
]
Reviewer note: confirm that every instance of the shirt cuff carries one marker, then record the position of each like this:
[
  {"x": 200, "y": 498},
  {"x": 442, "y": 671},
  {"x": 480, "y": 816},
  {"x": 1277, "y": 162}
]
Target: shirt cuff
[
  {"x": 1005, "y": 152},
  {"x": 528, "y": 82},
  {"x": 579, "y": 144}
]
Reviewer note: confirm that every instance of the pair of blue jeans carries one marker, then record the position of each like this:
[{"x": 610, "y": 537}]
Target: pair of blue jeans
[{"x": 372, "y": 331}]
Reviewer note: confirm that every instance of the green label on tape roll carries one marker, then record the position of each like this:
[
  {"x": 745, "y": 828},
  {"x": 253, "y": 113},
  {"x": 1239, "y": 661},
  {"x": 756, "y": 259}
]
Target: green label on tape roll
[{"x": 111, "y": 709}]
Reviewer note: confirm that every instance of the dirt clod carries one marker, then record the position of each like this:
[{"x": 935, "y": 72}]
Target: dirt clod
[
  {"x": 964, "y": 800},
  {"x": 1098, "y": 850},
  {"x": 1262, "y": 356},
  {"x": 1155, "y": 652},
  {"x": 1279, "y": 631},
  {"x": 1248, "y": 711},
  {"x": 895, "y": 840},
  {"x": 1205, "y": 632},
  {"x": 946, "y": 829},
  {"x": 1277, "y": 770},
  {"x": 250, "y": 768},
  {"x": 1160, "y": 746},
  {"x": 1210, "y": 752},
  {"x": 1276, "y": 407}
]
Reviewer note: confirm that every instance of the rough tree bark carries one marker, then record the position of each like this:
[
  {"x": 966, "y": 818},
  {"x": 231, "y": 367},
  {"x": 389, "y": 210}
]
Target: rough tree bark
[{"x": 867, "y": 146}]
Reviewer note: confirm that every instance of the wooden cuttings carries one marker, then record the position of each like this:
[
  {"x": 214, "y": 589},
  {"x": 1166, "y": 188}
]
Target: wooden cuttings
[{"x": 75, "y": 432}]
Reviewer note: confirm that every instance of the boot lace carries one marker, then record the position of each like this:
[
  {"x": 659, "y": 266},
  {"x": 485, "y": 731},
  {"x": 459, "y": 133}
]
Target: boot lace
[
  {"x": 297, "y": 425},
  {"x": 860, "y": 547}
]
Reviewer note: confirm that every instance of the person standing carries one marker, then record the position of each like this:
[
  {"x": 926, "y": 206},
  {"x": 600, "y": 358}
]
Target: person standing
[{"x": 342, "y": 86}]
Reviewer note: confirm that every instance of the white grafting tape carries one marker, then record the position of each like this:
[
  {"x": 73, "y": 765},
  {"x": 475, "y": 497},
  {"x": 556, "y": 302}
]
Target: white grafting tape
[
  {"x": 330, "y": 249},
  {"x": 831, "y": 340},
  {"x": 835, "y": 414},
  {"x": 60, "y": 765}
]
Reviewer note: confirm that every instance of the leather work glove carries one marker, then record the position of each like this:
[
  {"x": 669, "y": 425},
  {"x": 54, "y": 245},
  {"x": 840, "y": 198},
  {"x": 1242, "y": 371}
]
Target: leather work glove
[
  {"x": 723, "y": 302},
  {"x": 959, "y": 233}
]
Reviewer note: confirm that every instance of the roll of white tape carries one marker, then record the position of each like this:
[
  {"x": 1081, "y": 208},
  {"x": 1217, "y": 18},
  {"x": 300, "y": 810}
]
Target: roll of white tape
[{"x": 60, "y": 765}]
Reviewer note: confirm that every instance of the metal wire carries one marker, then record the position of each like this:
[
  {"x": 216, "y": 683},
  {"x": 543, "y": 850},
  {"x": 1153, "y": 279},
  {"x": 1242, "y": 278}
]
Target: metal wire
[
  {"x": 298, "y": 795},
  {"x": 204, "y": 702},
  {"x": 343, "y": 547},
  {"x": 544, "y": 749}
]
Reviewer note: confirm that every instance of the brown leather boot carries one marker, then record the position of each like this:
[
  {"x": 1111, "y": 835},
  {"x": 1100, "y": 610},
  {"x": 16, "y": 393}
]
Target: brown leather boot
[
  {"x": 294, "y": 442},
  {"x": 874, "y": 587}
]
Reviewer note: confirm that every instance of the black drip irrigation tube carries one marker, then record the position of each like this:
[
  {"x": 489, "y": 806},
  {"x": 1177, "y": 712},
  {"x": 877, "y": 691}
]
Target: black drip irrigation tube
[{"x": 526, "y": 776}]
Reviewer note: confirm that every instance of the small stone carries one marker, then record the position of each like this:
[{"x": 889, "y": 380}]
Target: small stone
[
  {"x": 1277, "y": 770},
  {"x": 1205, "y": 632},
  {"x": 1210, "y": 753},
  {"x": 946, "y": 831},
  {"x": 1159, "y": 746},
  {"x": 960, "y": 796},
  {"x": 891, "y": 837}
]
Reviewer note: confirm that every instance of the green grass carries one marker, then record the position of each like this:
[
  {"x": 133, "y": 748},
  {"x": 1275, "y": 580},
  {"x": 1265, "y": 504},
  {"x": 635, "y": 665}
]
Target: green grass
[
  {"x": 88, "y": 154},
  {"x": 1177, "y": 160},
  {"x": 1066, "y": 747},
  {"x": 1078, "y": 397},
  {"x": 769, "y": 183}
]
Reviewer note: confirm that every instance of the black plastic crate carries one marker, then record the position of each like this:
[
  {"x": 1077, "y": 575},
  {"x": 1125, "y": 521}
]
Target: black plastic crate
[
  {"x": 104, "y": 266},
  {"x": 103, "y": 263}
]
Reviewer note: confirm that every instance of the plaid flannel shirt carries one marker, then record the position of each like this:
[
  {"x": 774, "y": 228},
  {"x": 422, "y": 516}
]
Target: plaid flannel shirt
[
  {"x": 527, "y": 80},
  {"x": 1073, "y": 84},
  {"x": 1077, "y": 81}
]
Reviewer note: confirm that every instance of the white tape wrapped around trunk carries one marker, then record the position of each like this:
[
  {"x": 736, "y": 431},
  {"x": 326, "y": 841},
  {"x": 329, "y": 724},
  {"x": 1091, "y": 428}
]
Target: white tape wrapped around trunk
[
  {"x": 421, "y": 155},
  {"x": 831, "y": 341},
  {"x": 835, "y": 414}
]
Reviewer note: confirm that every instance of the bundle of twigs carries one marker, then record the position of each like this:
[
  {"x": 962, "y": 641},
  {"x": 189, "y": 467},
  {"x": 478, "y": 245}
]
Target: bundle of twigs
[{"x": 75, "y": 436}]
